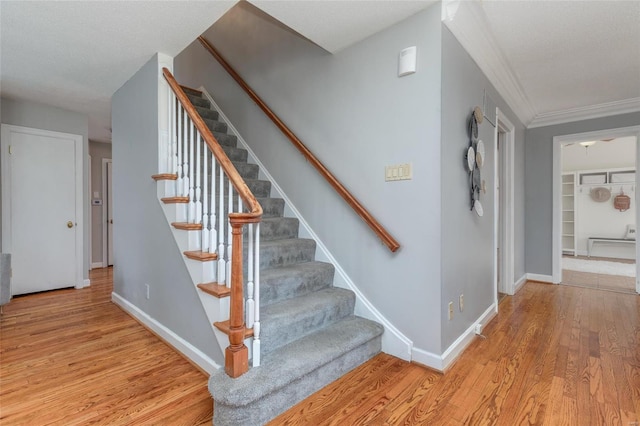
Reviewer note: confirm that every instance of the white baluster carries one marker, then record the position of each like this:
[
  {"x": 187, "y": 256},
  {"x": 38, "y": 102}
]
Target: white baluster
[
  {"x": 250, "y": 308},
  {"x": 205, "y": 199},
  {"x": 169, "y": 159},
  {"x": 256, "y": 299},
  {"x": 174, "y": 136},
  {"x": 213, "y": 237},
  {"x": 222, "y": 268},
  {"x": 179, "y": 140},
  {"x": 198, "y": 203},
  {"x": 229, "y": 233},
  {"x": 192, "y": 204},
  {"x": 185, "y": 156}
]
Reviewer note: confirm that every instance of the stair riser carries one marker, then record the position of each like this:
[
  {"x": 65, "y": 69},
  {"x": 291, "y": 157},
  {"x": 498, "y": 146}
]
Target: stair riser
[
  {"x": 198, "y": 101},
  {"x": 297, "y": 252},
  {"x": 272, "y": 207},
  {"x": 273, "y": 404},
  {"x": 280, "y": 229},
  {"x": 284, "y": 329},
  {"x": 207, "y": 113},
  {"x": 246, "y": 170},
  {"x": 278, "y": 287},
  {"x": 216, "y": 126}
]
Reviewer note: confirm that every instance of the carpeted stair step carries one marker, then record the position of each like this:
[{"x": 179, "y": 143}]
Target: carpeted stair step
[
  {"x": 271, "y": 207},
  {"x": 198, "y": 101},
  {"x": 293, "y": 372},
  {"x": 293, "y": 281},
  {"x": 246, "y": 170},
  {"x": 278, "y": 253},
  {"x": 225, "y": 139},
  {"x": 277, "y": 228},
  {"x": 216, "y": 126},
  {"x": 209, "y": 113},
  {"x": 259, "y": 188},
  {"x": 189, "y": 91},
  {"x": 235, "y": 154},
  {"x": 292, "y": 319}
]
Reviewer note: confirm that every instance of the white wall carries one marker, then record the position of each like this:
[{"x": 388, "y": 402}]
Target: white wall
[
  {"x": 357, "y": 116},
  {"x": 40, "y": 116}
]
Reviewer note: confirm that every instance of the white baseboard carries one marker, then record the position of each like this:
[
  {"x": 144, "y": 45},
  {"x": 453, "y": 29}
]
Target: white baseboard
[
  {"x": 178, "y": 343},
  {"x": 441, "y": 362},
  {"x": 96, "y": 265},
  {"x": 393, "y": 341},
  {"x": 518, "y": 284},
  {"x": 540, "y": 277}
]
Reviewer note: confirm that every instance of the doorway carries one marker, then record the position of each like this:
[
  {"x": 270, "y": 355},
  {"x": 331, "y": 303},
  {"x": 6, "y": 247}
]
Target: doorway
[
  {"x": 591, "y": 236},
  {"x": 504, "y": 206},
  {"x": 42, "y": 198},
  {"x": 107, "y": 212}
]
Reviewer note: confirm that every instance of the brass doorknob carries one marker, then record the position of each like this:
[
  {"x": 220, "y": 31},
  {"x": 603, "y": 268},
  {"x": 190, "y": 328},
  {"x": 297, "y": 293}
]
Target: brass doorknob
[{"x": 69, "y": 224}]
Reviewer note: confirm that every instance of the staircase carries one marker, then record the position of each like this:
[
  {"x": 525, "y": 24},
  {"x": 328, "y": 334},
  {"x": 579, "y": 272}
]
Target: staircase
[{"x": 309, "y": 334}]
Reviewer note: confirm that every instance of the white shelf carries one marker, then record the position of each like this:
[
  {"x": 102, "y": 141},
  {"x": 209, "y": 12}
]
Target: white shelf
[{"x": 568, "y": 210}]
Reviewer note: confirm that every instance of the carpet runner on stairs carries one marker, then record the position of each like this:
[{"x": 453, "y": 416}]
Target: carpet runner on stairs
[{"x": 310, "y": 335}]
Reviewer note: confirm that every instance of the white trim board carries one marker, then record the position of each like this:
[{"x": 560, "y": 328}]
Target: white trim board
[
  {"x": 393, "y": 341},
  {"x": 442, "y": 362},
  {"x": 540, "y": 278},
  {"x": 194, "y": 354},
  {"x": 558, "y": 141},
  {"x": 518, "y": 285},
  {"x": 97, "y": 265}
]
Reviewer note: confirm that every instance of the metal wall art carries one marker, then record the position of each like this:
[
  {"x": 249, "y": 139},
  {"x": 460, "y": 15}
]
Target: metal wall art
[{"x": 475, "y": 159}]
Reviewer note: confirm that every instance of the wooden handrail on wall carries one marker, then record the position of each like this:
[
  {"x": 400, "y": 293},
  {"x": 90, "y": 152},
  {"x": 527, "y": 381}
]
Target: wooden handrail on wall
[
  {"x": 236, "y": 354},
  {"x": 380, "y": 231}
]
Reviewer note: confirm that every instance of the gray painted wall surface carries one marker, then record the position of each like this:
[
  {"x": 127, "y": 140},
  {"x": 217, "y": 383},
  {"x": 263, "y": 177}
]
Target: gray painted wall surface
[
  {"x": 144, "y": 248},
  {"x": 468, "y": 240},
  {"x": 45, "y": 117},
  {"x": 356, "y": 115},
  {"x": 539, "y": 183},
  {"x": 98, "y": 151}
]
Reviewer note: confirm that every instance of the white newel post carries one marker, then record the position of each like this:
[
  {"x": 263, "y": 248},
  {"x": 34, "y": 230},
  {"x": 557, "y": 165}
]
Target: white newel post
[{"x": 256, "y": 298}]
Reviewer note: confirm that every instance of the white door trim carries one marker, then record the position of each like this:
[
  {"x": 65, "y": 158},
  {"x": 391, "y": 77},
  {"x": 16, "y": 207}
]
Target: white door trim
[
  {"x": 506, "y": 159},
  {"x": 105, "y": 213},
  {"x": 558, "y": 141},
  {"x": 7, "y": 244}
]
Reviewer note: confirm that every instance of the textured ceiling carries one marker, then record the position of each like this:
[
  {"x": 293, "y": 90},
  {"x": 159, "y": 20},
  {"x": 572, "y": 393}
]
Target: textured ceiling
[{"x": 546, "y": 58}]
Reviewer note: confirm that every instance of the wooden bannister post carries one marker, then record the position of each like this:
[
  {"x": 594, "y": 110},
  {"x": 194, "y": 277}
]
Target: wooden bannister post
[{"x": 236, "y": 361}]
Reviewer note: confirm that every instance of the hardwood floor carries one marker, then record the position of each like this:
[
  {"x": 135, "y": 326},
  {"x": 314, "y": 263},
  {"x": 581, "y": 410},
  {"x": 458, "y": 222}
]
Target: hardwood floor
[
  {"x": 555, "y": 355},
  {"x": 71, "y": 357}
]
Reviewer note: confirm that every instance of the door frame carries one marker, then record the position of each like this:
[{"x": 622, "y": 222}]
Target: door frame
[
  {"x": 505, "y": 161},
  {"x": 7, "y": 244},
  {"x": 105, "y": 212},
  {"x": 558, "y": 141}
]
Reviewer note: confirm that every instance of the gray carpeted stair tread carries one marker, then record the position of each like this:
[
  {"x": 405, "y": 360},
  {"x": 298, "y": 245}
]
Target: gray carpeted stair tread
[
  {"x": 199, "y": 101},
  {"x": 235, "y": 154},
  {"x": 215, "y": 126},
  {"x": 189, "y": 91},
  {"x": 295, "y": 280},
  {"x": 259, "y": 188},
  {"x": 292, "y": 319},
  {"x": 225, "y": 139},
  {"x": 290, "y": 362},
  {"x": 271, "y": 207},
  {"x": 278, "y": 228},
  {"x": 286, "y": 252},
  {"x": 209, "y": 113}
]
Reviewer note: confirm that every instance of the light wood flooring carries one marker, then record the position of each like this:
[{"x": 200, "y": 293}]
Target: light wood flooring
[
  {"x": 555, "y": 355},
  {"x": 600, "y": 281}
]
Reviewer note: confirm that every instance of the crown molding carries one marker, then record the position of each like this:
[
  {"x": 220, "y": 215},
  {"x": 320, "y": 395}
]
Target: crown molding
[
  {"x": 587, "y": 112},
  {"x": 468, "y": 23}
]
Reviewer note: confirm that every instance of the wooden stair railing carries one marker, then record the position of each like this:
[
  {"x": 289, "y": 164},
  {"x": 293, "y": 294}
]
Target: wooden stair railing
[
  {"x": 360, "y": 210},
  {"x": 236, "y": 354}
]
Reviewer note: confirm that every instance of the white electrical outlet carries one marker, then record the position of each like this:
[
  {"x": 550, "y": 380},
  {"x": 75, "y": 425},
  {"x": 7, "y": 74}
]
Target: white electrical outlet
[
  {"x": 450, "y": 311},
  {"x": 461, "y": 304},
  {"x": 147, "y": 288}
]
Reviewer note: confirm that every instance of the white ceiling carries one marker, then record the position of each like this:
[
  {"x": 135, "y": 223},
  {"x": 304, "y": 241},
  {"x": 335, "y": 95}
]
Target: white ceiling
[{"x": 551, "y": 60}]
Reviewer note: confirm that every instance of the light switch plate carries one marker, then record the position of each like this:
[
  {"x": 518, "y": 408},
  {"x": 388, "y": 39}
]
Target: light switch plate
[{"x": 398, "y": 172}]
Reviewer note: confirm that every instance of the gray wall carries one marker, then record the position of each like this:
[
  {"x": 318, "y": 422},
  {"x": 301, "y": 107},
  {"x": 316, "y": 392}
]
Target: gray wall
[
  {"x": 98, "y": 151},
  {"x": 468, "y": 240},
  {"x": 356, "y": 115},
  {"x": 145, "y": 251},
  {"x": 539, "y": 184},
  {"x": 39, "y": 116}
]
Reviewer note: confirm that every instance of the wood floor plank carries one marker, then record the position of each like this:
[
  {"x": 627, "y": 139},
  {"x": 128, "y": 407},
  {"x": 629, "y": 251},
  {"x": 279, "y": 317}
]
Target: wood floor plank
[{"x": 554, "y": 355}]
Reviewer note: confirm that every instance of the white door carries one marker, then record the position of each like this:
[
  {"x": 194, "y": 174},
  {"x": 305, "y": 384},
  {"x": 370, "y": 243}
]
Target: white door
[
  {"x": 42, "y": 209},
  {"x": 109, "y": 215}
]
